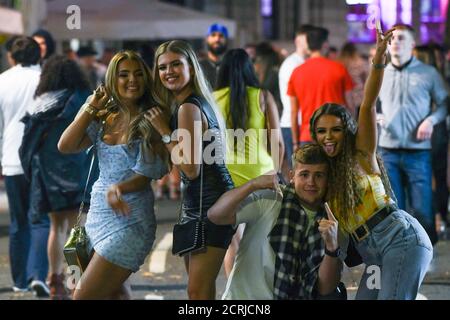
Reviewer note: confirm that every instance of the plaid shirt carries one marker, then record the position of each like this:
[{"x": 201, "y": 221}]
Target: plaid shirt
[{"x": 299, "y": 250}]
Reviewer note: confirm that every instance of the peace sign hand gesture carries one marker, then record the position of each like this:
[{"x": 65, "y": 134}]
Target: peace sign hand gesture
[{"x": 383, "y": 39}]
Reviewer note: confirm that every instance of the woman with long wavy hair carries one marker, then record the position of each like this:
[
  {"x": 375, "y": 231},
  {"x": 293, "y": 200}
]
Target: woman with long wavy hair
[
  {"x": 180, "y": 86},
  {"x": 362, "y": 199},
  {"x": 121, "y": 222}
]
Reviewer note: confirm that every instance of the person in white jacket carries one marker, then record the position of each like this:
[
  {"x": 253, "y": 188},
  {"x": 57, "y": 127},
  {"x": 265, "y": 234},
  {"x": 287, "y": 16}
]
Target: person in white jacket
[{"x": 28, "y": 239}]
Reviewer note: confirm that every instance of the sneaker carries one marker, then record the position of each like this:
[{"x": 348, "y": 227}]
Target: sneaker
[
  {"x": 17, "y": 289},
  {"x": 40, "y": 289}
]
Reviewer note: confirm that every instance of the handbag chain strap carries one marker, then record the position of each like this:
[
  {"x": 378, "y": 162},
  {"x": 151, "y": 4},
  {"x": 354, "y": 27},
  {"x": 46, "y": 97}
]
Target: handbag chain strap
[
  {"x": 94, "y": 150},
  {"x": 80, "y": 211},
  {"x": 201, "y": 167}
]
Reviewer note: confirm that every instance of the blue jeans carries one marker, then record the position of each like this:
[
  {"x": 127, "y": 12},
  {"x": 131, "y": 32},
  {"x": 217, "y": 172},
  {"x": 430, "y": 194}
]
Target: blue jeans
[
  {"x": 27, "y": 242},
  {"x": 410, "y": 176},
  {"x": 400, "y": 249},
  {"x": 287, "y": 138}
]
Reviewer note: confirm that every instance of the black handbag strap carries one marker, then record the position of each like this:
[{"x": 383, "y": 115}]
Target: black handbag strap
[
  {"x": 81, "y": 209},
  {"x": 200, "y": 218},
  {"x": 83, "y": 200}
]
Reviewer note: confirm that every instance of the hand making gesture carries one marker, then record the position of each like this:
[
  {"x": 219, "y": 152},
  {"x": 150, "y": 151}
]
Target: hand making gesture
[{"x": 328, "y": 229}]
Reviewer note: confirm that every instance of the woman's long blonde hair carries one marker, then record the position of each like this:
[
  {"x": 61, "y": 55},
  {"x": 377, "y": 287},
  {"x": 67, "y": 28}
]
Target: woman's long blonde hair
[
  {"x": 342, "y": 190},
  {"x": 200, "y": 86},
  {"x": 140, "y": 127}
]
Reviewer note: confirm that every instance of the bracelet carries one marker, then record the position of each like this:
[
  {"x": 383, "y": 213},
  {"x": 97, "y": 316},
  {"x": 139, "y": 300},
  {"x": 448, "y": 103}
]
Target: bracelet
[
  {"x": 90, "y": 109},
  {"x": 378, "y": 65}
]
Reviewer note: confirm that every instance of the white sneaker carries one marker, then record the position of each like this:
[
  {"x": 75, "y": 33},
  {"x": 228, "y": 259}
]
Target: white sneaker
[
  {"x": 40, "y": 289},
  {"x": 17, "y": 289}
]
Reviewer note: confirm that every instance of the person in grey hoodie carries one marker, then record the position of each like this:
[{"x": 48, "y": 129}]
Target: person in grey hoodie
[{"x": 409, "y": 90}]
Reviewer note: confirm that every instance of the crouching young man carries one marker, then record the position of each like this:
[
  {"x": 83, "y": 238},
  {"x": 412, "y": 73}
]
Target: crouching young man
[{"x": 289, "y": 249}]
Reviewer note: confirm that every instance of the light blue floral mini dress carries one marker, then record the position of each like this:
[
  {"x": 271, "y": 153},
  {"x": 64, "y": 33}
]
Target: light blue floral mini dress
[{"x": 122, "y": 240}]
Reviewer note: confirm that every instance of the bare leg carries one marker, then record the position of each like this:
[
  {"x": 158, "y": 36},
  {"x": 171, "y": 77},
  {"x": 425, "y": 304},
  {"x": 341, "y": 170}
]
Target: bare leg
[
  {"x": 160, "y": 184},
  {"x": 60, "y": 223},
  {"x": 203, "y": 270},
  {"x": 186, "y": 263},
  {"x": 101, "y": 280},
  {"x": 174, "y": 178},
  {"x": 124, "y": 292}
]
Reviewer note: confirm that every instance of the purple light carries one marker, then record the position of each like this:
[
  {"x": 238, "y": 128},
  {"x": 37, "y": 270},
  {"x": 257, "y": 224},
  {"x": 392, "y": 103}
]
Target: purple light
[
  {"x": 406, "y": 14},
  {"x": 266, "y": 8},
  {"x": 388, "y": 12},
  {"x": 356, "y": 17},
  {"x": 353, "y": 2},
  {"x": 432, "y": 19},
  {"x": 444, "y": 6},
  {"x": 424, "y": 33}
]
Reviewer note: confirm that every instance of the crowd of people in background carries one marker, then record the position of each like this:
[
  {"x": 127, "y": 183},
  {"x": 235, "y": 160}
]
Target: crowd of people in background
[{"x": 312, "y": 96}]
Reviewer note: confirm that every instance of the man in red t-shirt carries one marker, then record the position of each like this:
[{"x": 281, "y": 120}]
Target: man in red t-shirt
[{"x": 316, "y": 82}]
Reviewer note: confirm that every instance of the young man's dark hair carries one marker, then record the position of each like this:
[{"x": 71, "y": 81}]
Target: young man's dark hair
[
  {"x": 9, "y": 43},
  {"x": 304, "y": 28},
  {"x": 402, "y": 26},
  {"x": 316, "y": 37},
  {"x": 25, "y": 51},
  {"x": 309, "y": 154}
]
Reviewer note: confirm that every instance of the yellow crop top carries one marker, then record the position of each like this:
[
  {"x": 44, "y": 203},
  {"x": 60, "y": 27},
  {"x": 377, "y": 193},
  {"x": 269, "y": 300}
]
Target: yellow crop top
[{"x": 374, "y": 198}]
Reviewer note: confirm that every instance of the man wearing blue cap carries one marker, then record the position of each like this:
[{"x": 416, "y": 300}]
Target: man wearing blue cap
[{"x": 216, "y": 42}]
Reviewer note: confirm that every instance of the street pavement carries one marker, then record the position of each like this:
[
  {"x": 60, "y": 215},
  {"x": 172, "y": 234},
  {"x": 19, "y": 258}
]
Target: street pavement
[{"x": 163, "y": 277}]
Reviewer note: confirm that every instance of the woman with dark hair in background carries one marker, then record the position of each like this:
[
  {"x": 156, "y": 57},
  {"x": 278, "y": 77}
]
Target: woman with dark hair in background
[
  {"x": 267, "y": 65},
  {"x": 46, "y": 43},
  {"x": 56, "y": 180},
  {"x": 244, "y": 105}
]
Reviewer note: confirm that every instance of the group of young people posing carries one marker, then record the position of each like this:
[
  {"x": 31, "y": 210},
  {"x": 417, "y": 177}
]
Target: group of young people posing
[{"x": 293, "y": 245}]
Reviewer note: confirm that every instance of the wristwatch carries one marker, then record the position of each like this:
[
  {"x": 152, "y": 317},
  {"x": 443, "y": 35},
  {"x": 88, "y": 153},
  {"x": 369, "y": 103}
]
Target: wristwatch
[
  {"x": 336, "y": 253},
  {"x": 165, "y": 138}
]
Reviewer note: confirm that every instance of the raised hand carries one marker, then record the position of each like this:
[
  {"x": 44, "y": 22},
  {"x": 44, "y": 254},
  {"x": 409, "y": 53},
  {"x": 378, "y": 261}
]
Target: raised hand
[
  {"x": 328, "y": 229},
  {"x": 158, "y": 120},
  {"x": 269, "y": 180},
  {"x": 99, "y": 98},
  {"x": 383, "y": 39}
]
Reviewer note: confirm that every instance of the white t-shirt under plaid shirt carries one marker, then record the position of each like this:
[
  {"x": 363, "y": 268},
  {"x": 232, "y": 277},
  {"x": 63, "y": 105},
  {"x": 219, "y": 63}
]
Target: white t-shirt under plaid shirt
[{"x": 253, "y": 272}]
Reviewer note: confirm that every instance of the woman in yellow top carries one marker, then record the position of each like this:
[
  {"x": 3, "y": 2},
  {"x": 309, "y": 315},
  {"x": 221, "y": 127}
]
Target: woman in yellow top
[
  {"x": 393, "y": 245},
  {"x": 252, "y": 121}
]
